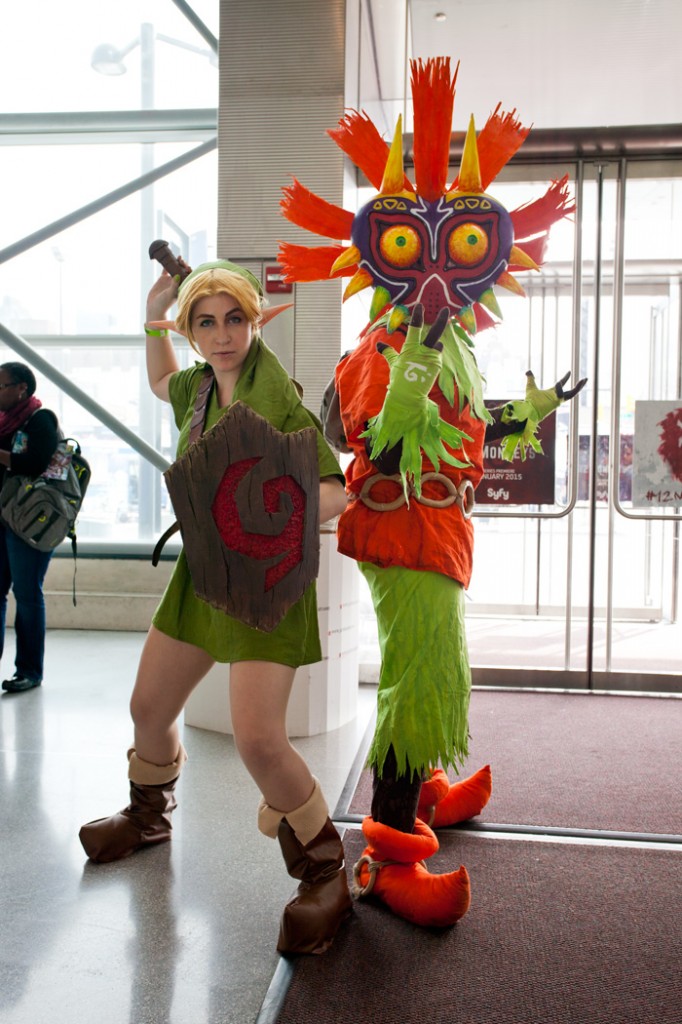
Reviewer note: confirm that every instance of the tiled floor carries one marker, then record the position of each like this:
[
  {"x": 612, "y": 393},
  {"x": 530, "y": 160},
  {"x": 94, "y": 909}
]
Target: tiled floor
[{"x": 181, "y": 934}]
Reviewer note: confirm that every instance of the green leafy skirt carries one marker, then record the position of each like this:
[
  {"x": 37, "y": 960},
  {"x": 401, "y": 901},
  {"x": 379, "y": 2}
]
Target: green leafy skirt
[{"x": 425, "y": 680}]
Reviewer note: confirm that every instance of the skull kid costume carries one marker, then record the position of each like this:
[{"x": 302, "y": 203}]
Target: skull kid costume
[{"x": 407, "y": 403}]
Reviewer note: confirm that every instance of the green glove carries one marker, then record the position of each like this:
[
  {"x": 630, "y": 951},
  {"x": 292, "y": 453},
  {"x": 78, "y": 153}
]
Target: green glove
[
  {"x": 408, "y": 416},
  {"x": 533, "y": 409}
]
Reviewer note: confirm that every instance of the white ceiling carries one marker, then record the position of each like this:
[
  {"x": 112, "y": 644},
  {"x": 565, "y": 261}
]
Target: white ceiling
[{"x": 560, "y": 63}]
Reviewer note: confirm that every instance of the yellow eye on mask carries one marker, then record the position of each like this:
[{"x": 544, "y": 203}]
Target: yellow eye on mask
[
  {"x": 468, "y": 244},
  {"x": 400, "y": 246}
]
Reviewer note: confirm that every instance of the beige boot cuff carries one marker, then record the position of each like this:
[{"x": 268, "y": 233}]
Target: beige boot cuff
[
  {"x": 308, "y": 819},
  {"x": 146, "y": 774},
  {"x": 268, "y": 819}
]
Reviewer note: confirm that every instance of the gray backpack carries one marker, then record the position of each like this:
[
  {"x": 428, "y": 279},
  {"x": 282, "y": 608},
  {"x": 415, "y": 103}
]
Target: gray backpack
[{"x": 42, "y": 510}]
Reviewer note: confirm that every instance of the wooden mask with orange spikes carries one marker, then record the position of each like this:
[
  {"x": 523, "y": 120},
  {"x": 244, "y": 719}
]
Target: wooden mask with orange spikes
[
  {"x": 446, "y": 251},
  {"x": 433, "y": 243}
]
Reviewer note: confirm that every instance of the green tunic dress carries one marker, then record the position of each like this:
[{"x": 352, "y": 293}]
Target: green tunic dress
[{"x": 265, "y": 386}]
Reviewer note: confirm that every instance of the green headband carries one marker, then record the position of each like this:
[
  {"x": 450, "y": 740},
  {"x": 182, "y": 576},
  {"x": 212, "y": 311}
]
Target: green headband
[{"x": 226, "y": 265}]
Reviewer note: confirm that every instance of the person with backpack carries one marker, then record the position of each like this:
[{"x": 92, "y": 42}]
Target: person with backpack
[
  {"x": 29, "y": 435},
  {"x": 220, "y": 311}
]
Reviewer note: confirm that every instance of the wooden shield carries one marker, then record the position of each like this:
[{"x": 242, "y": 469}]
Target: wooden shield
[{"x": 247, "y": 498}]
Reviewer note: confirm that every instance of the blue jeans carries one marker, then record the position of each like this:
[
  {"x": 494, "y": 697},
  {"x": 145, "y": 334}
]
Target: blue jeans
[{"x": 23, "y": 569}]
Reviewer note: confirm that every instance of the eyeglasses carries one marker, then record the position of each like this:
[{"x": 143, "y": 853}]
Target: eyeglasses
[{"x": 13, "y": 384}]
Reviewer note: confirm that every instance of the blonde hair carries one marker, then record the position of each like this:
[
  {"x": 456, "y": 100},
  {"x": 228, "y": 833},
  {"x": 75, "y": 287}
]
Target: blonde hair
[{"x": 215, "y": 282}]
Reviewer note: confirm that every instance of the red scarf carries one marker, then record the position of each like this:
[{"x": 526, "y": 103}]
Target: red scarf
[{"x": 15, "y": 418}]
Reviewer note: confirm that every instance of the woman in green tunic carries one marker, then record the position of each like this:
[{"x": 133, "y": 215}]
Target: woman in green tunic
[{"x": 219, "y": 310}]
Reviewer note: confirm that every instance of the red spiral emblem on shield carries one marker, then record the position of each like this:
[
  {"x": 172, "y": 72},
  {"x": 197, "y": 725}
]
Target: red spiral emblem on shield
[{"x": 286, "y": 544}]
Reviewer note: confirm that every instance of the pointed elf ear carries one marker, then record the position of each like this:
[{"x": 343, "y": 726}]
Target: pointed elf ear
[
  {"x": 165, "y": 325},
  {"x": 268, "y": 314}
]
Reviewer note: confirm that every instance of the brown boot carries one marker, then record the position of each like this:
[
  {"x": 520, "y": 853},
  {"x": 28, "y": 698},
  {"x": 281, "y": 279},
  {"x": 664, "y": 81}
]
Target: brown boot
[
  {"x": 314, "y": 855},
  {"x": 145, "y": 821}
]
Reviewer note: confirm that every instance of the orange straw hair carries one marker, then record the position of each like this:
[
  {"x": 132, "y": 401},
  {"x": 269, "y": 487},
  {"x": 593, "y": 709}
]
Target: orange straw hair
[
  {"x": 311, "y": 263},
  {"x": 304, "y": 208},
  {"x": 502, "y": 135},
  {"x": 433, "y": 95},
  {"x": 539, "y": 215},
  {"x": 360, "y": 140}
]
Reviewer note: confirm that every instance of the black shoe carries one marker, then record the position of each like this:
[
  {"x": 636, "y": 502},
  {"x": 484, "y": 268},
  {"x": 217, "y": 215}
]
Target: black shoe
[{"x": 20, "y": 683}]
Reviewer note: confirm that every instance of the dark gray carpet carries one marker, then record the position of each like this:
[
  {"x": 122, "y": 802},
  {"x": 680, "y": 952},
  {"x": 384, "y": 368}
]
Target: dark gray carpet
[
  {"x": 557, "y": 934},
  {"x": 577, "y": 761}
]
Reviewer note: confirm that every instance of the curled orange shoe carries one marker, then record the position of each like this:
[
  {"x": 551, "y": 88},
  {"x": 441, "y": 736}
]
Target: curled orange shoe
[
  {"x": 442, "y": 804},
  {"x": 391, "y": 868}
]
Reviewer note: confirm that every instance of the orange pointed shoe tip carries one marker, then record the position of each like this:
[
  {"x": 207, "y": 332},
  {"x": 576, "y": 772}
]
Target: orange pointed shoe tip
[
  {"x": 434, "y": 789},
  {"x": 410, "y": 891},
  {"x": 390, "y": 869},
  {"x": 465, "y": 799}
]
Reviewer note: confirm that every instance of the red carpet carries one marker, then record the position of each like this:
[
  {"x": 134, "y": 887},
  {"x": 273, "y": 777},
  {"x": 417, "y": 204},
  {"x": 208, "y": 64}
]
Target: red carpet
[
  {"x": 576, "y": 761},
  {"x": 557, "y": 933}
]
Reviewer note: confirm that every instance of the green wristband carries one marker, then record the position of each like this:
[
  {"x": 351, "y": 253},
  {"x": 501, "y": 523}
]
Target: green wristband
[{"x": 163, "y": 333}]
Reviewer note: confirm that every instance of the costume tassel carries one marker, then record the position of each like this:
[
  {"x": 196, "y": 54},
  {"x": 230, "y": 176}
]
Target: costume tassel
[
  {"x": 532, "y": 218},
  {"x": 483, "y": 318},
  {"x": 310, "y": 263},
  {"x": 360, "y": 140},
  {"x": 350, "y": 257},
  {"x": 359, "y": 281},
  {"x": 520, "y": 258},
  {"x": 467, "y": 319},
  {"x": 508, "y": 281},
  {"x": 433, "y": 96},
  {"x": 489, "y": 300},
  {"x": 380, "y": 301},
  {"x": 308, "y": 211},
  {"x": 535, "y": 249},
  {"x": 399, "y": 314},
  {"x": 501, "y": 136}
]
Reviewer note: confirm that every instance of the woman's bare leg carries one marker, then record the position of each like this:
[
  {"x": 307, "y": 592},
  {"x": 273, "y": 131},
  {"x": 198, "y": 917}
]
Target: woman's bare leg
[
  {"x": 294, "y": 809},
  {"x": 168, "y": 672},
  {"x": 259, "y": 694}
]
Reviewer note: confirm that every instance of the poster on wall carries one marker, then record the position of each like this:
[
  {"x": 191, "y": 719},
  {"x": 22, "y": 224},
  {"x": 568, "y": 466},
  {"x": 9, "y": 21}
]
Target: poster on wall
[
  {"x": 602, "y": 479},
  {"x": 521, "y": 482},
  {"x": 657, "y": 473}
]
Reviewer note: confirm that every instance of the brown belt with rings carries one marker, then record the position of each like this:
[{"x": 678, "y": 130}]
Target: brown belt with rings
[{"x": 462, "y": 495}]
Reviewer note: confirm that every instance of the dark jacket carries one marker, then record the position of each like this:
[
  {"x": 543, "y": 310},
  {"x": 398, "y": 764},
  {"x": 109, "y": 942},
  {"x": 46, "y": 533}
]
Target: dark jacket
[{"x": 42, "y": 434}]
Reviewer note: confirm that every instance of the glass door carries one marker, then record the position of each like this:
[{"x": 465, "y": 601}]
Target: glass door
[{"x": 583, "y": 592}]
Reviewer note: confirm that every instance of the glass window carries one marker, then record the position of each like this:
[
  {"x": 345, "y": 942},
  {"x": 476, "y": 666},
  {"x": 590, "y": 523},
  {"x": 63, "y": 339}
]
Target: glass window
[
  {"x": 77, "y": 297},
  {"x": 93, "y": 278},
  {"x": 148, "y": 54}
]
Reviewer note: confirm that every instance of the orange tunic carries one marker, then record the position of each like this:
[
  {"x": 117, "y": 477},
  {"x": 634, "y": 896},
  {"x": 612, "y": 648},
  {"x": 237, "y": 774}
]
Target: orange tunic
[{"x": 417, "y": 536}]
